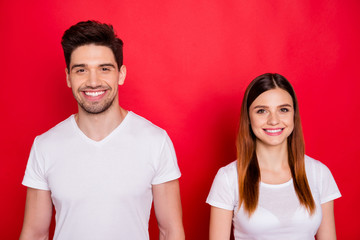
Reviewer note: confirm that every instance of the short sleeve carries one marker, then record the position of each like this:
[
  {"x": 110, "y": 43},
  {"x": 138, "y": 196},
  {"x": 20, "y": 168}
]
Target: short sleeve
[
  {"x": 222, "y": 192},
  {"x": 328, "y": 188},
  {"x": 167, "y": 168},
  {"x": 35, "y": 170}
]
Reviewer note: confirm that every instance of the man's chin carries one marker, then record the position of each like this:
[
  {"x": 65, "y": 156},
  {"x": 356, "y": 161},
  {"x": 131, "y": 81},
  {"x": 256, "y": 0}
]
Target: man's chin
[{"x": 95, "y": 109}]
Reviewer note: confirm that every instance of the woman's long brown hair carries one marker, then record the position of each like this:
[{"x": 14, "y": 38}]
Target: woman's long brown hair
[{"x": 247, "y": 164}]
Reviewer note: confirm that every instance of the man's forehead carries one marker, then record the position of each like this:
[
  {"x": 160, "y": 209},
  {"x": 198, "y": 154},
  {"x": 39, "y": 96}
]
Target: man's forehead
[{"x": 92, "y": 54}]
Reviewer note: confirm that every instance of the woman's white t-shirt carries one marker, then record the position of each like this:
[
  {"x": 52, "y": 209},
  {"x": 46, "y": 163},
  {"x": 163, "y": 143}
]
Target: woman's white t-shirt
[{"x": 279, "y": 214}]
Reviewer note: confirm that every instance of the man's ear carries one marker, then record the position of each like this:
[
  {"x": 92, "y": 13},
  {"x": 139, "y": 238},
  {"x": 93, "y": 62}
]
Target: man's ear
[
  {"x": 67, "y": 77},
  {"x": 122, "y": 75}
]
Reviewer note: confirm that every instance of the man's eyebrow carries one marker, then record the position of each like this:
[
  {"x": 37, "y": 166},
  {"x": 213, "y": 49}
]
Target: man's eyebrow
[
  {"x": 107, "y": 65},
  {"x": 77, "y": 65}
]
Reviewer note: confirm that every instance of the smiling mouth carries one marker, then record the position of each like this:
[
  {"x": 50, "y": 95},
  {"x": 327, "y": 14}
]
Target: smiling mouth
[
  {"x": 94, "y": 94},
  {"x": 273, "y": 131},
  {"x": 278, "y": 130}
]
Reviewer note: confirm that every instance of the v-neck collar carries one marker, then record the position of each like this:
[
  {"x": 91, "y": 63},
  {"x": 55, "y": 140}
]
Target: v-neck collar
[{"x": 105, "y": 139}]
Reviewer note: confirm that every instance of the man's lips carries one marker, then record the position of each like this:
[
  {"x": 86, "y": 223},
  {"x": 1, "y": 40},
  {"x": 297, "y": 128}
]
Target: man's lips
[{"x": 94, "y": 93}]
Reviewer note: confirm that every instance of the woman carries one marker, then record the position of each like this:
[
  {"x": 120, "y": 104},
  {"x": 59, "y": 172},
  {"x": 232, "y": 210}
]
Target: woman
[{"x": 273, "y": 191}]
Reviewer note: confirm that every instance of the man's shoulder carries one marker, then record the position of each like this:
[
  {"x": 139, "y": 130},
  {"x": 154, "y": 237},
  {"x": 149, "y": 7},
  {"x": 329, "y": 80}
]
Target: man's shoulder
[
  {"x": 144, "y": 126},
  {"x": 59, "y": 130}
]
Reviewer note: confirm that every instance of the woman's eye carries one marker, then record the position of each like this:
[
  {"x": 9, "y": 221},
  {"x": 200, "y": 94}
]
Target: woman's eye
[
  {"x": 260, "y": 111},
  {"x": 284, "y": 110}
]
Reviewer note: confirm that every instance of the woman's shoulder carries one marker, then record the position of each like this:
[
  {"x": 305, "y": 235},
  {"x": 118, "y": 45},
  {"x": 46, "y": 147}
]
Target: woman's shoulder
[
  {"x": 229, "y": 169},
  {"x": 227, "y": 174},
  {"x": 314, "y": 165},
  {"x": 316, "y": 171},
  {"x": 224, "y": 190},
  {"x": 321, "y": 181}
]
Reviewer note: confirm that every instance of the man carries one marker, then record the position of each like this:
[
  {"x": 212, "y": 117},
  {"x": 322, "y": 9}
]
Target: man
[{"x": 101, "y": 167}]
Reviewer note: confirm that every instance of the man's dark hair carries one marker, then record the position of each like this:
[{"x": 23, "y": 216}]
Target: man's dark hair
[{"x": 92, "y": 32}]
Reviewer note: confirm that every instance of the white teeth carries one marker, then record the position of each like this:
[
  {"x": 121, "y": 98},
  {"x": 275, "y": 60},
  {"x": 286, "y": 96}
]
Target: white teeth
[
  {"x": 273, "y": 131},
  {"x": 94, "y": 94}
]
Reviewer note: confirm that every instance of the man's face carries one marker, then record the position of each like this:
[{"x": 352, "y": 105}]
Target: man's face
[{"x": 94, "y": 77}]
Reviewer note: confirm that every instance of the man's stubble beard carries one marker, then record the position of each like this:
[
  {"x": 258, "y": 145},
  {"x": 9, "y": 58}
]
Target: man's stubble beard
[{"x": 96, "y": 107}]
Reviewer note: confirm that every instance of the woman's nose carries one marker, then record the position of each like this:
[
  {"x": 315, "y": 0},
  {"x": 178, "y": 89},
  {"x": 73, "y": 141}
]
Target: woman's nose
[{"x": 273, "y": 119}]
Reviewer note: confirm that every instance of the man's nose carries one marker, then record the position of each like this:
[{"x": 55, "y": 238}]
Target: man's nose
[{"x": 93, "y": 80}]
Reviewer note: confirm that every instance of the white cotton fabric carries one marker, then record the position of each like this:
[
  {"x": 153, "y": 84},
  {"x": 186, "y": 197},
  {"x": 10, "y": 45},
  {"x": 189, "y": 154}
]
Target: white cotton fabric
[
  {"x": 279, "y": 215},
  {"x": 102, "y": 190}
]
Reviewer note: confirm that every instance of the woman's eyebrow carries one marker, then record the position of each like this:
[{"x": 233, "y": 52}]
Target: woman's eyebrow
[
  {"x": 285, "y": 105},
  {"x": 261, "y": 106}
]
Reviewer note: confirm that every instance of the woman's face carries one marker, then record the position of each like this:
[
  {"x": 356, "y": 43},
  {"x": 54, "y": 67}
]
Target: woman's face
[{"x": 272, "y": 117}]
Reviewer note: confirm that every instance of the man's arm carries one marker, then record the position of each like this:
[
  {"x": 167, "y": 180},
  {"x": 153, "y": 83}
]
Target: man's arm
[
  {"x": 38, "y": 212},
  {"x": 220, "y": 224},
  {"x": 327, "y": 230},
  {"x": 168, "y": 211}
]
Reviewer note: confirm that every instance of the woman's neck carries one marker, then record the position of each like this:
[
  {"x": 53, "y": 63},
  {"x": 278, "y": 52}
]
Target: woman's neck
[{"x": 273, "y": 163}]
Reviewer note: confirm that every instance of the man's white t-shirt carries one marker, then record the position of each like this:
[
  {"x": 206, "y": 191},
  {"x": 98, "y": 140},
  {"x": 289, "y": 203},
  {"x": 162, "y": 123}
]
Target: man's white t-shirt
[
  {"x": 102, "y": 189},
  {"x": 279, "y": 215}
]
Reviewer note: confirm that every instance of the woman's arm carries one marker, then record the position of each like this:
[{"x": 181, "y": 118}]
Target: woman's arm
[
  {"x": 326, "y": 230},
  {"x": 220, "y": 224}
]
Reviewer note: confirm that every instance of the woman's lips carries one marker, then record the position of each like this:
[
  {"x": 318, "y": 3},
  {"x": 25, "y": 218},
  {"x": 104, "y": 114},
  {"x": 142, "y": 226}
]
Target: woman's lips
[{"x": 273, "y": 131}]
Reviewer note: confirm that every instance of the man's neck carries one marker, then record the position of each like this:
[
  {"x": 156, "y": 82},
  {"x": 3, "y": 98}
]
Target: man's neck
[{"x": 99, "y": 126}]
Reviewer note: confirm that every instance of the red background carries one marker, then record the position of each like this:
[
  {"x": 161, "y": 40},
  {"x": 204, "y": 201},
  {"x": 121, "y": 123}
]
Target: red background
[{"x": 188, "y": 64}]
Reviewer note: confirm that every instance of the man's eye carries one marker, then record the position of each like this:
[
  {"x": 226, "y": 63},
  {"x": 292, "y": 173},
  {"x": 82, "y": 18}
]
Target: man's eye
[
  {"x": 260, "y": 111},
  {"x": 80, "y": 70},
  {"x": 105, "y": 69}
]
